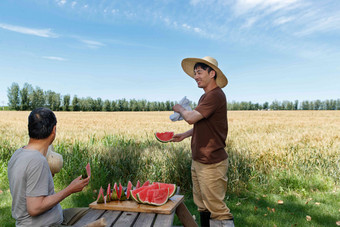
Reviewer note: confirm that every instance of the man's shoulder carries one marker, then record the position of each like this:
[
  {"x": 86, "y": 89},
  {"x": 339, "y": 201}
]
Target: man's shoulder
[{"x": 22, "y": 155}]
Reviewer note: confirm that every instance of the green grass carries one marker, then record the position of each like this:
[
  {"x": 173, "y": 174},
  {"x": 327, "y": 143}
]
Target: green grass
[{"x": 307, "y": 188}]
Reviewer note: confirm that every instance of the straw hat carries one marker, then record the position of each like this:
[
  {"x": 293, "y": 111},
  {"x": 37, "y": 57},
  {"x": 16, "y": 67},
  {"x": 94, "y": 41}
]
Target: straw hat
[
  {"x": 189, "y": 63},
  {"x": 55, "y": 160}
]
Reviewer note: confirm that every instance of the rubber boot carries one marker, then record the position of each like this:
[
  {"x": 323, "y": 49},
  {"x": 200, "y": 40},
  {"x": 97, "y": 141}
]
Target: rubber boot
[
  {"x": 222, "y": 223},
  {"x": 205, "y": 217}
]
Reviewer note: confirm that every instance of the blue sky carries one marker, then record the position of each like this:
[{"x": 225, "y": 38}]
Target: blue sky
[{"x": 268, "y": 49}]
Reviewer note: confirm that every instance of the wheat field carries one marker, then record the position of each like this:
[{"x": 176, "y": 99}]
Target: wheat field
[{"x": 261, "y": 142}]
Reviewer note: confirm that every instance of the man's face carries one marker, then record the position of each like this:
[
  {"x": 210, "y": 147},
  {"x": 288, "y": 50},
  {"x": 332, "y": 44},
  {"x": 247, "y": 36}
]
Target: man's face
[{"x": 202, "y": 77}]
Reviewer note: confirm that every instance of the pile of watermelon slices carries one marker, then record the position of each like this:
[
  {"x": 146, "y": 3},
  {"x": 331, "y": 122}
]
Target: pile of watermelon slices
[{"x": 155, "y": 194}]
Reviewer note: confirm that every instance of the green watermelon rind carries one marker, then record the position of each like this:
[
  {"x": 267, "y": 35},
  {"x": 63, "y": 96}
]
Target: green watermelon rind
[{"x": 163, "y": 141}]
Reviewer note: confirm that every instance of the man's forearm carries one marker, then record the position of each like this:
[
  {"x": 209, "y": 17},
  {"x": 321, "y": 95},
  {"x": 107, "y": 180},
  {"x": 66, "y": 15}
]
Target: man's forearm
[
  {"x": 188, "y": 133},
  {"x": 190, "y": 116},
  {"x": 38, "y": 205}
]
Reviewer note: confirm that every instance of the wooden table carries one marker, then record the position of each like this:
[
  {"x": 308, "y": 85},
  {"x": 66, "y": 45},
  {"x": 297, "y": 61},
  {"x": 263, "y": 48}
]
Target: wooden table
[{"x": 122, "y": 216}]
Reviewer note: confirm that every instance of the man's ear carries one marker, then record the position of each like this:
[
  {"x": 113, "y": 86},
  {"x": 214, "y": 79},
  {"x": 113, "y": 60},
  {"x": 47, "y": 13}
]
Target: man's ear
[{"x": 212, "y": 74}]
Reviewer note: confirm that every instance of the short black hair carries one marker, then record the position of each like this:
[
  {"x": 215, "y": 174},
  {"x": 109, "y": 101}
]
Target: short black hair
[
  {"x": 41, "y": 122},
  {"x": 205, "y": 67}
]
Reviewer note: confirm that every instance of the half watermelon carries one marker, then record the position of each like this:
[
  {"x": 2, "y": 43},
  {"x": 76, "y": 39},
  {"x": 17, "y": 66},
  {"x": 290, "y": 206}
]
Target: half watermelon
[{"x": 164, "y": 137}]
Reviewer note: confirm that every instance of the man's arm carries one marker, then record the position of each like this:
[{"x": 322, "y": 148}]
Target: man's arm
[
  {"x": 182, "y": 136},
  {"x": 38, "y": 205},
  {"x": 190, "y": 116}
]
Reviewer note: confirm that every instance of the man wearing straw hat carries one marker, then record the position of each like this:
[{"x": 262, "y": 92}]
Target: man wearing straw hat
[
  {"x": 34, "y": 202},
  {"x": 210, "y": 160}
]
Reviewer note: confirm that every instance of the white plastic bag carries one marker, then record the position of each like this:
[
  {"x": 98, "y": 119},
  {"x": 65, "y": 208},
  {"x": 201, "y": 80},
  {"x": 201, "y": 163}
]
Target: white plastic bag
[{"x": 186, "y": 105}]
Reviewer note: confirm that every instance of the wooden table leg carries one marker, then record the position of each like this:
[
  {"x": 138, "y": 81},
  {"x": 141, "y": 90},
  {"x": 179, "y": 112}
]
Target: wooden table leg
[{"x": 185, "y": 216}]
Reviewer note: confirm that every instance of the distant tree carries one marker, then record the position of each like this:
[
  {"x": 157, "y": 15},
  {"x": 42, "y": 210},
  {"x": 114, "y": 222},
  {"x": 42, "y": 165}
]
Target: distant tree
[
  {"x": 38, "y": 98},
  {"x": 75, "y": 104},
  {"x": 107, "y": 105},
  {"x": 25, "y": 94},
  {"x": 133, "y": 105},
  {"x": 49, "y": 96},
  {"x": 98, "y": 104},
  {"x": 305, "y": 105},
  {"x": 265, "y": 106},
  {"x": 13, "y": 97},
  {"x": 114, "y": 106},
  {"x": 66, "y": 102},
  {"x": 296, "y": 105},
  {"x": 56, "y": 102},
  {"x": 337, "y": 104}
]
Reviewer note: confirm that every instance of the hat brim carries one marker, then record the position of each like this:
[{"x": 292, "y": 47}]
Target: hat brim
[{"x": 188, "y": 67}]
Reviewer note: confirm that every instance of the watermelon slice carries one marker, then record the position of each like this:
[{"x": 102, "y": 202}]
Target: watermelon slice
[
  {"x": 129, "y": 187},
  {"x": 101, "y": 197},
  {"x": 157, "y": 197},
  {"x": 87, "y": 173},
  {"x": 141, "y": 195},
  {"x": 146, "y": 183},
  {"x": 164, "y": 137},
  {"x": 88, "y": 169},
  {"x": 114, "y": 194},
  {"x": 136, "y": 191},
  {"x": 171, "y": 187},
  {"x": 108, "y": 193},
  {"x": 138, "y": 184},
  {"x": 117, "y": 191}
]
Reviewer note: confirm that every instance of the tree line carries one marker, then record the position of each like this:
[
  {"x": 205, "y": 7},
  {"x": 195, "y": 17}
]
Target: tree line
[
  {"x": 29, "y": 98},
  {"x": 329, "y": 104}
]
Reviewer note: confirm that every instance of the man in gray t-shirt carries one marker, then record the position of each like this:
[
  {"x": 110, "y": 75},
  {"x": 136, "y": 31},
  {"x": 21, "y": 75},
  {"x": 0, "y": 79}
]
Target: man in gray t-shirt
[
  {"x": 30, "y": 175},
  {"x": 34, "y": 202}
]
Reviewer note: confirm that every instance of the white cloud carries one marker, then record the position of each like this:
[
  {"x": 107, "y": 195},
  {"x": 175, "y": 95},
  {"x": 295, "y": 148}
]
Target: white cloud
[
  {"x": 61, "y": 2},
  {"x": 330, "y": 23},
  {"x": 249, "y": 22},
  {"x": 73, "y": 4},
  {"x": 245, "y": 6},
  {"x": 282, "y": 20},
  {"x": 54, "y": 58},
  {"x": 29, "y": 31},
  {"x": 93, "y": 44}
]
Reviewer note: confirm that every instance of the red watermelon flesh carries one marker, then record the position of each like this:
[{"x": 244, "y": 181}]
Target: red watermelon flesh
[
  {"x": 101, "y": 197},
  {"x": 146, "y": 183},
  {"x": 120, "y": 191},
  {"x": 138, "y": 184},
  {"x": 129, "y": 186},
  {"x": 157, "y": 197},
  {"x": 88, "y": 169},
  {"x": 117, "y": 190},
  {"x": 108, "y": 193},
  {"x": 136, "y": 191},
  {"x": 171, "y": 187},
  {"x": 164, "y": 137}
]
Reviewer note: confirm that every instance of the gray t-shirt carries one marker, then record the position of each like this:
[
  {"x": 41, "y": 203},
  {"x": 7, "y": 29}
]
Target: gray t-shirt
[{"x": 30, "y": 176}]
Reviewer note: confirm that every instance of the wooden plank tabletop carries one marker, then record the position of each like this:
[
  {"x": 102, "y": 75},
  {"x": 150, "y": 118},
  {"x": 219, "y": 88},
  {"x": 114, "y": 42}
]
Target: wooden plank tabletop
[
  {"x": 123, "y": 219},
  {"x": 132, "y": 206}
]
